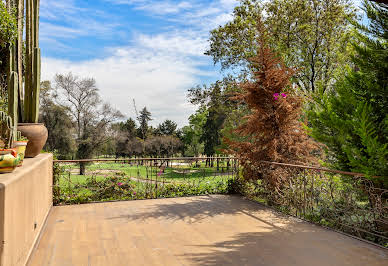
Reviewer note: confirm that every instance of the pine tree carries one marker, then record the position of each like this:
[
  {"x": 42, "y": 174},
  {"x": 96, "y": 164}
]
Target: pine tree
[
  {"x": 353, "y": 121},
  {"x": 143, "y": 119},
  {"x": 272, "y": 131}
]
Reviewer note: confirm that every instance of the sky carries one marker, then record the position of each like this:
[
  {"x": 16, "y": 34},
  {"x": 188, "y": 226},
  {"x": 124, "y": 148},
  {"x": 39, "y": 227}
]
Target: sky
[{"x": 148, "y": 50}]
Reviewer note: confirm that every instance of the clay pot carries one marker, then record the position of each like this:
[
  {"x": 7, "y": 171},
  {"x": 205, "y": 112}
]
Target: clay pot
[{"x": 37, "y": 134}]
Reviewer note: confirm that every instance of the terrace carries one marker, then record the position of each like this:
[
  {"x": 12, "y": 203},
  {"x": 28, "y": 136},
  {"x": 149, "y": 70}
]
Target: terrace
[
  {"x": 135, "y": 215},
  {"x": 203, "y": 230}
]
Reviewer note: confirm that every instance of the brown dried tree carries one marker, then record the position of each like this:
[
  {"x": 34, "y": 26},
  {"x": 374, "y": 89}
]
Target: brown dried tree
[{"x": 272, "y": 131}]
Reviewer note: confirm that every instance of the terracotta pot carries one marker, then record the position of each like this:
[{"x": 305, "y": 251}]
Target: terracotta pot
[{"x": 37, "y": 134}]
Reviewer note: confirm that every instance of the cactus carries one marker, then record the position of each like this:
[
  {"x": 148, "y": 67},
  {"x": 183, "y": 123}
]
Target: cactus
[
  {"x": 13, "y": 86},
  {"x": 6, "y": 129},
  {"x": 33, "y": 66}
]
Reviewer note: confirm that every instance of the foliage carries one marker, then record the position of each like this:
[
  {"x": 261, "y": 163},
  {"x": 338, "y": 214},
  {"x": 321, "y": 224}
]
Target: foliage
[
  {"x": 272, "y": 131},
  {"x": 162, "y": 146},
  {"x": 167, "y": 128},
  {"x": 8, "y": 27},
  {"x": 191, "y": 134},
  {"x": 8, "y": 34},
  {"x": 211, "y": 136},
  {"x": 162, "y": 141},
  {"x": 127, "y": 182},
  {"x": 350, "y": 204},
  {"x": 92, "y": 117},
  {"x": 143, "y": 118},
  {"x": 58, "y": 122},
  {"x": 216, "y": 100},
  {"x": 310, "y": 35},
  {"x": 353, "y": 122}
]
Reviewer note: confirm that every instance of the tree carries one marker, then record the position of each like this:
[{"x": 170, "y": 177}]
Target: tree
[
  {"x": 162, "y": 145},
  {"x": 125, "y": 138},
  {"x": 143, "y": 118},
  {"x": 272, "y": 130},
  {"x": 353, "y": 121},
  {"x": 216, "y": 100},
  {"x": 191, "y": 134},
  {"x": 167, "y": 128},
  {"x": 211, "y": 135},
  {"x": 91, "y": 116},
  {"x": 310, "y": 35},
  {"x": 129, "y": 127},
  {"x": 58, "y": 122}
]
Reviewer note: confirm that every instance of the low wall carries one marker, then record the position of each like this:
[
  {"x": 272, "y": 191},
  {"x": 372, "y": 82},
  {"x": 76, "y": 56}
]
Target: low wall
[{"x": 25, "y": 201}]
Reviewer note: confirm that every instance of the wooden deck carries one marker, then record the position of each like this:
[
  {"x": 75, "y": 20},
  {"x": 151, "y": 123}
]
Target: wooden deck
[{"x": 208, "y": 230}]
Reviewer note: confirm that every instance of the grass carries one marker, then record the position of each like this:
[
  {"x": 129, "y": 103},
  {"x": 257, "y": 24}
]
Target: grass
[{"x": 116, "y": 181}]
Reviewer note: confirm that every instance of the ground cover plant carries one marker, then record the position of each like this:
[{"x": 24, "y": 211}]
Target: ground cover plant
[{"x": 347, "y": 203}]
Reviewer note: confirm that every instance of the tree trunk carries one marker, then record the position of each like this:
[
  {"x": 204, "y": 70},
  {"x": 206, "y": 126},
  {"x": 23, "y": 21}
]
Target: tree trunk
[{"x": 82, "y": 168}]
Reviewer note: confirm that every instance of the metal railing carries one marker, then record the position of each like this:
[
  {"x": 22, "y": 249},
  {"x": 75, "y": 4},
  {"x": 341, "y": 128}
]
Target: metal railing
[
  {"x": 82, "y": 181},
  {"x": 345, "y": 201}
]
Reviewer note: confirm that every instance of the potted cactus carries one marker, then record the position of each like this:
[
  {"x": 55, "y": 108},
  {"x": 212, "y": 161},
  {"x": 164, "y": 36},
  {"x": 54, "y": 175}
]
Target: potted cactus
[
  {"x": 9, "y": 158},
  {"x": 26, "y": 110}
]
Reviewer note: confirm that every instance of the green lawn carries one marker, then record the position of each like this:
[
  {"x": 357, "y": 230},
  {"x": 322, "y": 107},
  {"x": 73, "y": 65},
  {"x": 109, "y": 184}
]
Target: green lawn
[{"x": 117, "y": 181}]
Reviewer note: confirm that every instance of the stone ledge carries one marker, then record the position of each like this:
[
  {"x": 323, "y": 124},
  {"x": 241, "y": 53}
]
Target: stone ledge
[{"x": 25, "y": 201}]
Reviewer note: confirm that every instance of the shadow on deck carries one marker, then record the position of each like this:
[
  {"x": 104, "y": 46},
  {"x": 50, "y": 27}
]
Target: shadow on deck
[{"x": 207, "y": 230}]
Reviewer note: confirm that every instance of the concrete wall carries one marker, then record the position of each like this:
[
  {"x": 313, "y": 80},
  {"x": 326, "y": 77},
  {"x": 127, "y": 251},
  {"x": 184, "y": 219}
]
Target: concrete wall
[{"x": 25, "y": 201}]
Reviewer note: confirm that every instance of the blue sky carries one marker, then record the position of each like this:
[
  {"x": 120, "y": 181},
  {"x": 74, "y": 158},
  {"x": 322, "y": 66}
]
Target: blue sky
[{"x": 147, "y": 50}]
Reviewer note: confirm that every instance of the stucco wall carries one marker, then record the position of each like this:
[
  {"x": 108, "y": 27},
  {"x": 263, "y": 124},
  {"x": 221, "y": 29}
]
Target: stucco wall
[{"x": 25, "y": 201}]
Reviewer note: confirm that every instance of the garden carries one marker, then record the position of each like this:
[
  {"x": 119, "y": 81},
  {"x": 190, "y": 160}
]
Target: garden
[{"x": 141, "y": 179}]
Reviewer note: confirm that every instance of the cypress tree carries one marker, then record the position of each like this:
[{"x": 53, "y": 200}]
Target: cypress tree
[{"x": 352, "y": 121}]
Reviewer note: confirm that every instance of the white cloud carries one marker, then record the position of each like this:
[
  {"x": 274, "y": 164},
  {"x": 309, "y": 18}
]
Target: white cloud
[
  {"x": 164, "y": 7},
  {"x": 156, "y": 77},
  {"x": 157, "y": 69},
  {"x": 184, "y": 42}
]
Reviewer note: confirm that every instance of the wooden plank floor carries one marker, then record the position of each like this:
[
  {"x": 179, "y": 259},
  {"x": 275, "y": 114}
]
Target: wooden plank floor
[{"x": 208, "y": 230}]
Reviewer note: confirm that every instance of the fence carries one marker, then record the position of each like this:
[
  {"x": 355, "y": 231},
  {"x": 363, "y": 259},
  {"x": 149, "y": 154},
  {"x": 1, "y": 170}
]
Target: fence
[
  {"x": 82, "y": 181},
  {"x": 348, "y": 202}
]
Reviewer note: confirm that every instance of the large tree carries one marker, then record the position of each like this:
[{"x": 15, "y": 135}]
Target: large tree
[
  {"x": 91, "y": 116},
  {"x": 353, "y": 121},
  {"x": 310, "y": 35},
  {"x": 59, "y": 124},
  {"x": 272, "y": 130}
]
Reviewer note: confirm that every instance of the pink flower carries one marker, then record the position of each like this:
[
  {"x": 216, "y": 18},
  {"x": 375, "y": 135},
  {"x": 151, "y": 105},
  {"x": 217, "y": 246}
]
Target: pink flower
[
  {"x": 160, "y": 172},
  {"x": 119, "y": 184},
  {"x": 134, "y": 193},
  {"x": 284, "y": 95},
  {"x": 276, "y": 95}
]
